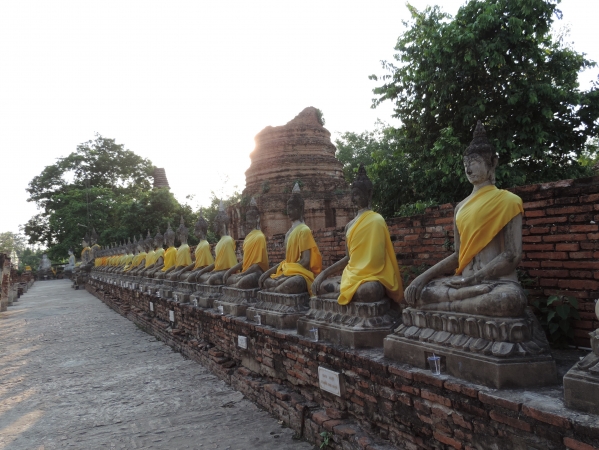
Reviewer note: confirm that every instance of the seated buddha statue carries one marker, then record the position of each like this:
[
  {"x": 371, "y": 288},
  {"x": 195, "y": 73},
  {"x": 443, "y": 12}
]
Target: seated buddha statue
[
  {"x": 146, "y": 248},
  {"x": 95, "y": 248},
  {"x": 225, "y": 257},
  {"x": 86, "y": 252},
  {"x": 480, "y": 276},
  {"x": 183, "y": 258},
  {"x": 255, "y": 257},
  {"x": 203, "y": 257},
  {"x": 140, "y": 255},
  {"x": 369, "y": 269},
  {"x": 170, "y": 254},
  {"x": 157, "y": 262},
  {"x": 128, "y": 256},
  {"x": 295, "y": 274}
]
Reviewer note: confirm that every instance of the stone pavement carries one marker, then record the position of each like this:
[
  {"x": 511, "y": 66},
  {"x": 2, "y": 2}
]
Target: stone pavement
[{"x": 75, "y": 374}]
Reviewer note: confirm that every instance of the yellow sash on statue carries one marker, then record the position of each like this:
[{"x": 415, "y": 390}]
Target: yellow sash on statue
[
  {"x": 481, "y": 218},
  {"x": 225, "y": 253},
  {"x": 170, "y": 258},
  {"x": 371, "y": 258},
  {"x": 159, "y": 254},
  {"x": 299, "y": 240},
  {"x": 183, "y": 256},
  {"x": 136, "y": 261},
  {"x": 150, "y": 258},
  {"x": 254, "y": 251},
  {"x": 203, "y": 256}
]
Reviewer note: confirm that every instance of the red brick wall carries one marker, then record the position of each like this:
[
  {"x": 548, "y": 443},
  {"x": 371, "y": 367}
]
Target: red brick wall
[{"x": 385, "y": 405}]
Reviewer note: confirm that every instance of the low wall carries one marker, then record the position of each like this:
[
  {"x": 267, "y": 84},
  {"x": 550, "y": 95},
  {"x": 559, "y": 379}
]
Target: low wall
[
  {"x": 384, "y": 404},
  {"x": 560, "y": 234}
]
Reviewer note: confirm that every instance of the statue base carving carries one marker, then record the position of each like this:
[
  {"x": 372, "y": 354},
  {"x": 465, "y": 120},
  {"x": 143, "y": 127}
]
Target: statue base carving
[
  {"x": 182, "y": 292},
  {"x": 166, "y": 290},
  {"x": 492, "y": 351},
  {"x": 581, "y": 390},
  {"x": 279, "y": 311},
  {"x": 356, "y": 325},
  {"x": 236, "y": 301},
  {"x": 205, "y": 295}
]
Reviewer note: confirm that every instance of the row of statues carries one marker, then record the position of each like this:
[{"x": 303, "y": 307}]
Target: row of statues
[{"x": 470, "y": 303}]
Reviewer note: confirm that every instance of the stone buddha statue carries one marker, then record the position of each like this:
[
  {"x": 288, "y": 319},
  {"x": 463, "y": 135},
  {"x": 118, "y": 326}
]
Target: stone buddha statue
[
  {"x": 156, "y": 264},
  {"x": 369, "y": 268},
  {"x": 302, "y": 261},
  {"x": 183, "y": 258},
  {"x": 203, "y": 257},
  {"x": 147, "y": 250},
  {"x": 94, "y": 243},
  {"x": 480, "y": 276},
  {"x": 470, "y": 309},
  {"x": 255, "y": 257},
  {"x": 86, "y": 253},
  {"x": 170, "y": 254},
  {"x": 71, "y": 265},
  {"x": 140, "y": 255},
  {"x": 224, "y": 252}
]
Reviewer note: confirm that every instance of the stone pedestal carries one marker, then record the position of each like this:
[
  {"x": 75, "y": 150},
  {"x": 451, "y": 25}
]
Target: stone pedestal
[
  {"x": 205, "y": 295},
  {"x": 356, "y": 325},
  {"x": 182, "y": 291},
  {"x": 581, "y": 390},
  {"x": 492, "y": 351},
  {"x": 236, "y": 301},
  {"x": 279, "y": 310},
  {"x": 166, "y": 289}
]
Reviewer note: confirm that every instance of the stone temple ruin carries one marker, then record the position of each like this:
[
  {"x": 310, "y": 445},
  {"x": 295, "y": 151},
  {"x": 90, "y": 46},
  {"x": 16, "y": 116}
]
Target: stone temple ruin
[
  {"x": 322, "y": 333},
  {"x": 300, "y": 151}
]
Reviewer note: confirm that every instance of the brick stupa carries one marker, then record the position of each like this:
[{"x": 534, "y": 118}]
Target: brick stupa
[{"x": 300, "y": 151}]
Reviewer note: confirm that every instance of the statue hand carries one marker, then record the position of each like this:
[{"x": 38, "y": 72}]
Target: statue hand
[
  {"x": 316, "y": 283},
  {"x": 412, "y": 293},
  {"x": 461, "y": 282},
  {"x": 262, "y": 279},
  {"x": 226, "y": 276}
]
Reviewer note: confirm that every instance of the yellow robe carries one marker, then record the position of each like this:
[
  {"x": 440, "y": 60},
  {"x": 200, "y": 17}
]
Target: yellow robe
[
  {"x": 170, "y": 258},
  {"x": 136, "y": 261},
  {"x": 299, "y": 240},
  {"x": 183, "y": 256},
  {"x": 254, "y": 251},
  {"x": 481, "y": 218},
  {"x": 371, "y": 258},
  {"x": 159, "y": 254},
  {"x": 203, "y": 256},
  {"x": 150, "y": 258},
  {"x": 225, "y": 253}
]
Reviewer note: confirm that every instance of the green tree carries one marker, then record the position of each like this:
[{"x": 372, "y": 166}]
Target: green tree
[{"x": 497, "y": 62}]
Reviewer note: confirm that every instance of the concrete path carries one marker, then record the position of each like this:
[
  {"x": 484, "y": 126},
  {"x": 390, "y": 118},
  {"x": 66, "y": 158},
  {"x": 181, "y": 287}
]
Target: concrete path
[{"x": 75, "y": 374}]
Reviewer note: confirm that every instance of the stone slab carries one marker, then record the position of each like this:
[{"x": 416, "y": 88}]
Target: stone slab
[
  {"x": 581, "y": 391},
  {"x": 495, "y": 372},
  {"x": 345, "y": 336}
]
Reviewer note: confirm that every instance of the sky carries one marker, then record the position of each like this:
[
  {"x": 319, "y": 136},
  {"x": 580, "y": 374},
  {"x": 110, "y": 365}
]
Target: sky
[{"x": 188, "y": 84}]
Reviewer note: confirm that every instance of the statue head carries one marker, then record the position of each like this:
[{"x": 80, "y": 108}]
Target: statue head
[
  {"x": 70, "y": 252},
  {"x": 201, "y": 227},
  {"x": 94, "y": 237},
  {"x": 480, "y": 159},
  {"x": 85, "y": 240},
  {"x": 133, "y": 246},
  {"x": 148, "y": 242},
  {"x": 169, "y": 236},
  {"x": 361, "y": 189},
  {"x": 221, "y": 220},
  {"x": 252, "y": 215},
  {"x": 295, "y": 204},
  {"x": 182, "y": 231},
  {"x": 141, "y": 243},
  {"x": 158, "y": 239}
]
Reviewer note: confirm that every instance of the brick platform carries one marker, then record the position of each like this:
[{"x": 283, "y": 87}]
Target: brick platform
[{"x": 385, "y": 405}]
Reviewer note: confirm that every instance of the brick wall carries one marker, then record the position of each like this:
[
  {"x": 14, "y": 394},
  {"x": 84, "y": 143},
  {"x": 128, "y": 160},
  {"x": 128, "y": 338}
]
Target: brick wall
[{"x": 385, "y": 405}]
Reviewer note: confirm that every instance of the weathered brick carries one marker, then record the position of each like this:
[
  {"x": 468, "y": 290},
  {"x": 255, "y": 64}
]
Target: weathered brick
[
  {"x": 546, "y": 417},
  {"x": 512, "y": 422}
]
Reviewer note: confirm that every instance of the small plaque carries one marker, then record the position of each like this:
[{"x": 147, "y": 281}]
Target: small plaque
[
  {"x": 151, "y": 306},
  {"x": 242, "y": 342},
  {"x": 329, "y": 381},
  {"x": 171, "y": 316}
]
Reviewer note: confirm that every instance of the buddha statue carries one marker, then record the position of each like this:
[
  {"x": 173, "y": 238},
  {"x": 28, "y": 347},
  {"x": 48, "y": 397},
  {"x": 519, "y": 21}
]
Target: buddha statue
[
  {"x": 224, "y": 252},
  {"x": 147, "y": 251},
  {"x": 255, "y": 257},
  {"x": 369, "y": 268},
  {"x": 471, "y": 303},
  {"x": 94, "y": 243},
  {"x": 157, "y": 262},
  {"x": 86, "y": 252},
  {"x": 302, "y": 261},
  {"x": 488, "y": 247},
  {"x": 140, "y": 255},
  {"x": 183, "y": 259},
  {"x": 170, "y": 254},
  {"x": 203, "y": 257}
]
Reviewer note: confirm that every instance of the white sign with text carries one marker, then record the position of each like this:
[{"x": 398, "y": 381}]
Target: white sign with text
[
  {"x": 151, "y": 306},
  {"x": 329, "y": 381},
  {"x": 242, "y": 341},
  {"x": 171, "y": 316}
]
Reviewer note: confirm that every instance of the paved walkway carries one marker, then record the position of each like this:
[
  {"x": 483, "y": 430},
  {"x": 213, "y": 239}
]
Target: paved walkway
[{"x": 75, "y": 374}]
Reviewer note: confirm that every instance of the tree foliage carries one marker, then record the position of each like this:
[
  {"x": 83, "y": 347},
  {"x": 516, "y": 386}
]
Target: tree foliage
[
  {"x": 103, "y": 186},
  {"x": 497, "y": 62}
]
